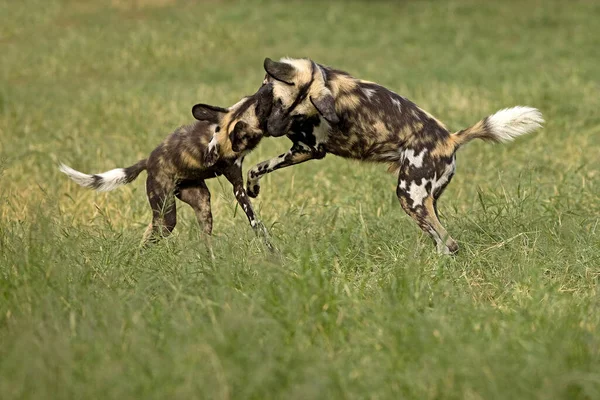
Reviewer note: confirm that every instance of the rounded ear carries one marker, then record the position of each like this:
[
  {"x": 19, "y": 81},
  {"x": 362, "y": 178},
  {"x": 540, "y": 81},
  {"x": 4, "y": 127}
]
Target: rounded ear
[
  {"x": 205, "y": 112},
  {"x": 280, "y": 71},
  {"x": 325, "y": 105}
]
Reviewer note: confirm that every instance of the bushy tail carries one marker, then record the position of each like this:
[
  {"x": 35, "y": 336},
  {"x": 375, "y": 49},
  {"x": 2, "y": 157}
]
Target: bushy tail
[
  {"x": 108, "y": 180},
  {"x": 503, "y": 126}
]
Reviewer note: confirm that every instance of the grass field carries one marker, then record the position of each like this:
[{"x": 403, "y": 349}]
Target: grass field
[{"x": 357, "y": 304}]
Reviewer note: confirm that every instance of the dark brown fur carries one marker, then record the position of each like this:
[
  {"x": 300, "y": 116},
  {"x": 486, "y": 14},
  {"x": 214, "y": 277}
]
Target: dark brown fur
[
  {"x": 324, "y": 110},
  {"x": 213, "y": 146}
]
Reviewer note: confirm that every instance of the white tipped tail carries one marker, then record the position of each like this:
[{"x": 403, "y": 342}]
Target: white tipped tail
[
  {"x": 503, "y": 126},
  {"x": 509, "y": 123},
  {"x": 103, "y": 182}
]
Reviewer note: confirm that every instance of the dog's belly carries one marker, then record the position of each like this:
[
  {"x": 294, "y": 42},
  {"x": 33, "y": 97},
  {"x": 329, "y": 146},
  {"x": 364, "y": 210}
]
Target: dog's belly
[
  {"x": 366, "y": 146},
  {"x": 200, "y": 174}
]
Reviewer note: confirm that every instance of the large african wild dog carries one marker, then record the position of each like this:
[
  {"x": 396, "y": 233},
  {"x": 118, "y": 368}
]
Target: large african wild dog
[
  {"x": 214, "y": 145},
  {"x": 323, "y": 110}
]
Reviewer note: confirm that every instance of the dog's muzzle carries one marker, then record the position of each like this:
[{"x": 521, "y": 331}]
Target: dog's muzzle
[{"x": 278, "y": 124}]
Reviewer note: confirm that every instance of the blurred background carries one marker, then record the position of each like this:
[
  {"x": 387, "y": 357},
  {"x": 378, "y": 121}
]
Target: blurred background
[
  {"x": 98, "y": 84},
  {"x": 356, "y": 304}
]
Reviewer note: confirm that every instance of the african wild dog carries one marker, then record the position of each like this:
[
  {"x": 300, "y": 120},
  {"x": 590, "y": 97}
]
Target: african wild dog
[
  {"x": 214, "y": 145},
  {"x": 323, "y": 110}
]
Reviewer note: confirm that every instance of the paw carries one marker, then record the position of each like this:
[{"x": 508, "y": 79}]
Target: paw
[
  {"x": 261, "y": 230},
  {"x": 252, "y": 189},
  {"x": 449, "y": 249}
]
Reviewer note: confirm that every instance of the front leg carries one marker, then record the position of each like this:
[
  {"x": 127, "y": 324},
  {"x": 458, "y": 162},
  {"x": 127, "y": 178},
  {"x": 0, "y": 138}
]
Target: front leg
[
  {"x": 299, "y": 153},
  {"x": 234, "y": 175}
]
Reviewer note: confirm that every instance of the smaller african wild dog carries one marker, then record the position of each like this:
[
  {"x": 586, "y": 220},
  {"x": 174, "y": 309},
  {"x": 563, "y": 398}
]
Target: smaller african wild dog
[
  {"x": 323, "y": 110},
  {"x": 214, "y": 145}
]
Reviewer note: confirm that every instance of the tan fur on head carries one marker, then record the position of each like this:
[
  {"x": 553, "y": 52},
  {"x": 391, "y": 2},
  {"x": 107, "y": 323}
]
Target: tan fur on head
[
  {"x": 323, "y": 110},
  {"x": 304, "y": 73},
  {"x": 222, "y": 137},
  {"x": 303, "y": 68},
  {"x": 227, "y": 124}
]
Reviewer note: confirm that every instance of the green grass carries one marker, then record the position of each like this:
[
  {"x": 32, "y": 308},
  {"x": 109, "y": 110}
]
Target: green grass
[{"x": 357, "y": 304}]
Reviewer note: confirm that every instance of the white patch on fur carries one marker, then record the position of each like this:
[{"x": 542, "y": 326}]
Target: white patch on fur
[
  {"x": 368, "y": 92},
  {"x": 109, "y": 180},
  {"x": 436, "y": 183},
  {"x": 276, "y": 161},
  {"x": 509, "y": 123},
  {"x": 418, "y": 193},
  {"x": 240, "y": 160},
  {"x": 397, "y": 103},
  {"x": 416, "y": 160},
  {"x": 304, "y": 146},
  {"x": 212, "y": 144}
]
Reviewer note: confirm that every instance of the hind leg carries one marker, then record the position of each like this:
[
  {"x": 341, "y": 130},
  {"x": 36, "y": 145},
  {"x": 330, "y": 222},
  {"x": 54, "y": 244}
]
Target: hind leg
[
  {"x": 160, "y": 191},
  {"x": 419, "y": 187},
  {"x": 197, "y": 195}
]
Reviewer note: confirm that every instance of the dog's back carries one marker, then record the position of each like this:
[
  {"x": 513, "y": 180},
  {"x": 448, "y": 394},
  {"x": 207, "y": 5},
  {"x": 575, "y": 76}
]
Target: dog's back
[
  {"x": 182, "y": 154},
  {"x": 376, "y": 122}
]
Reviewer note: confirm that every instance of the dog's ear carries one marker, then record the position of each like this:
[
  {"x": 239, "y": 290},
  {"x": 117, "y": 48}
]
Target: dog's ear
[
  {"x": 280, "y": 71},
  {"x": 325, "y": 105},
  {"x": 205, "y": 112}
]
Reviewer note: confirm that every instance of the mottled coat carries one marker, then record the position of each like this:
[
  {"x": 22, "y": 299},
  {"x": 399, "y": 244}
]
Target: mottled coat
[
  {"x": 324, "y": 110},
  {"x": 214, "y": 145}
]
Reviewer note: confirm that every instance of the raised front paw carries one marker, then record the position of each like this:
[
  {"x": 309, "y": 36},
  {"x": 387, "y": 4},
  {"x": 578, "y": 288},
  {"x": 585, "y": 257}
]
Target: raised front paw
[{"x": 253, "y": 188}]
